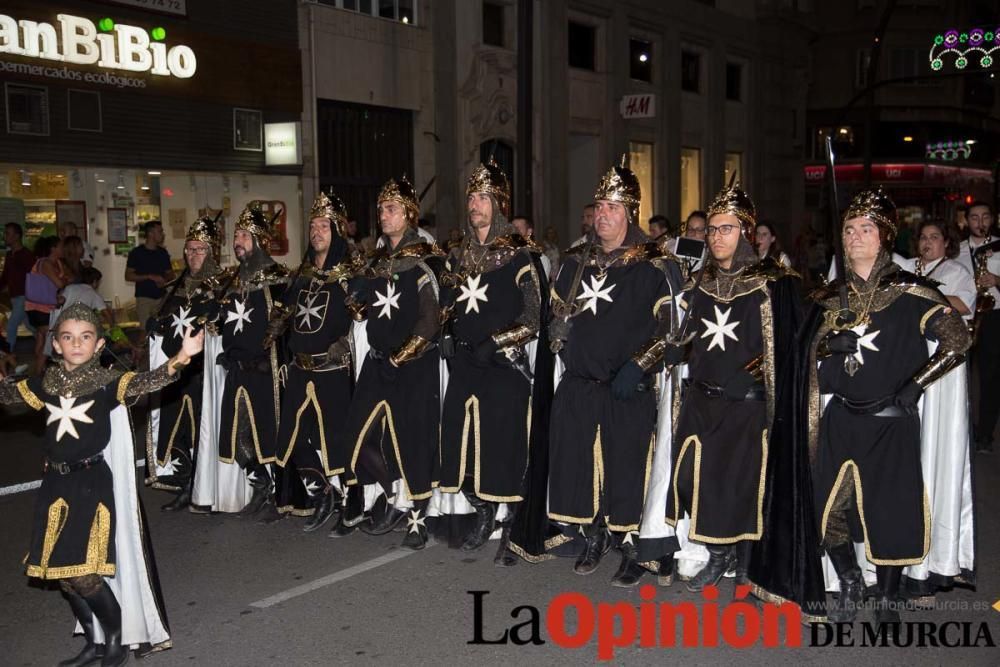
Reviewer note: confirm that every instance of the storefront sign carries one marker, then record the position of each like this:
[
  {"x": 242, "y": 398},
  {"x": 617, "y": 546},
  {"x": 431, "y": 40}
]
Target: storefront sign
[
  {"x": 856, "y": 172},
  {"x": 178, "y": 7},
  {"x": 638, "y": 106},
  {"x": 282, "y": 143},
  {"x": 78, "y": 41}
]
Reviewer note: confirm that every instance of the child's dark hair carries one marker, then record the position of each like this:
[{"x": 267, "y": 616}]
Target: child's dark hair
[{"x": 90, "y": 276}]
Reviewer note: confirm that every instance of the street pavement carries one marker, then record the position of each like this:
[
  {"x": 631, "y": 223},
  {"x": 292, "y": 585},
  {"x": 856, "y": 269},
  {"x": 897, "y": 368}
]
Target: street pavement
[{"x": 366, "y": 601}]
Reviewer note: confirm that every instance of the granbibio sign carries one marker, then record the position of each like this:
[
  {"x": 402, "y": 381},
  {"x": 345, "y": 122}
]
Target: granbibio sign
[{"x": 79, "y": 41}]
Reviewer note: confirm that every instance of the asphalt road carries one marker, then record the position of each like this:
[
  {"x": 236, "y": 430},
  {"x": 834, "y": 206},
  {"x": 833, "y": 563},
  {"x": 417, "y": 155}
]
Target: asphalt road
[{"x": 416, "y": 608}]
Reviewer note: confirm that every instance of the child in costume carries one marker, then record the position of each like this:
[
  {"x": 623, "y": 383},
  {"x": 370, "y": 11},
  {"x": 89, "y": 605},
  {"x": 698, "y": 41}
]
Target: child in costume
[{"x": 87, "y": 528}]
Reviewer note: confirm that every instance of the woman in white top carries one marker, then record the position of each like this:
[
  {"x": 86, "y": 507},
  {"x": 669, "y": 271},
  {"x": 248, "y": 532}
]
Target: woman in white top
[
  {"x": 937, "y": 245},
  {"x": 767, "y": 244}
]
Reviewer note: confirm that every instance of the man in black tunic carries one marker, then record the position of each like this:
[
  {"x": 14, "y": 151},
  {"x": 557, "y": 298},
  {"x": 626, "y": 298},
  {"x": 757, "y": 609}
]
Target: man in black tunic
[
  {"x": 393, "y": 423},
  {"x": 174, "y": 443},
  {"x": 491, "y": 302},
  {"x": 867, "y": 471},
  {"x": 611, "y": 304},
  {"x": 251, "y": 399},
  {"x": 318, "y": 384}
]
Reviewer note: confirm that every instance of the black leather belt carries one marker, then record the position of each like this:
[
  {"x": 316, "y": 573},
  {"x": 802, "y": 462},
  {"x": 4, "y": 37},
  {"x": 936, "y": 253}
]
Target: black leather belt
[
  {"x": 882, "y": 407},
  {"x": 712, "y": 390},
  {"x": 64, "y": 468}
]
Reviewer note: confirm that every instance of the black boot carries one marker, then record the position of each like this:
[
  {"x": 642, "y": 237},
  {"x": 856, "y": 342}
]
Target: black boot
[
  {"x": 109, "y": 614},
  {"x": 504, "y": 556},
  {"x": 91, "y": 652},
  {"x": 387, "y": 521},
  {"x": 665, "y": 575},
  {"x": 180, "y": 501},
  {"x": 352, "y": 515},
  {"x": 598, "y": 542},
  {"x": 886, "y": 611},
  {"x": 742, "y": 555},
  {"x": 486, "y": 513},
  {"x": 416, "y": 530},
  {"x": 844, "y": 609},
  {"x": 721, "y": 558},
  {"x": 629, "y": 571},
  {"x": 324, "y": 511},
  {"x": 260, "y": 481}
]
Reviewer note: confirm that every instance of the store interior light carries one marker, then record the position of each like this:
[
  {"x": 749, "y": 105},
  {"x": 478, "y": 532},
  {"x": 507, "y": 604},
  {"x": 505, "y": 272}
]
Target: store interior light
[
  {"x": 121, "y": 181},
  {"x": 643, "y": 57},
  {"x": 843, "y": 131},
  {"x": 907, "y": 138},
  {"x": 970, "y": 142},
  {"x": 153, "y": 173},
  {"x": 406, "y": 19},
  {"x": 25, "y": 178},
  {"x": 97, "y": 177}
]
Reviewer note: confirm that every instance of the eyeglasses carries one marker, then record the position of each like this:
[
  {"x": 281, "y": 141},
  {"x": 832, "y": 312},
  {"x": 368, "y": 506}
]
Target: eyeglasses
[
  {"x": 723, "y": 230},
  {"x": 196, "y": 251}
]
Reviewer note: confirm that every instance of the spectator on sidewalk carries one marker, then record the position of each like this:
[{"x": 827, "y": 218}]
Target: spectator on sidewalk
[
  {"x": 16, "y": 267},
  {"x": 148, "y": 266}
]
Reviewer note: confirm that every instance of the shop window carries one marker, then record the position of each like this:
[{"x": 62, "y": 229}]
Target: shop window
[
  {"x": 690, "y": 181},
  {"x": 84, "y": 110},
  {"x": 734, "y": 82},
  {"x": 582, "y": 44},
  {"x": 691, "y": 71},
  {"x": 27, "y": 109},
  {"x": 641, "y": 164},
  {"x": 404, "y": 11},
  {"x": 640, "y": 63},
  {"x": 248, "y": 127},
  {"x": 493, "y": 24},
  {"x": 733, "y": 165}
]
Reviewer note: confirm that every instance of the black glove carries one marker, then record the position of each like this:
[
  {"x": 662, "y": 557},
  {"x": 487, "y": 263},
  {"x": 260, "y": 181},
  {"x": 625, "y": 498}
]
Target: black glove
[
  {"x": 844, "y": 342},
  {"x": 737, "y": 387},
  {"x": 673, "y": 355},
  {"x": 485, "y": 350},
  {"x": 908, "y": 396},
  {"x": 626, "y": 380}
]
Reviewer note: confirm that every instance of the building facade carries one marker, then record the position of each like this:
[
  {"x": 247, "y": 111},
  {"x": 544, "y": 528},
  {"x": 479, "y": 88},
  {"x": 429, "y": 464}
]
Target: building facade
[{"x": 115, "y": 114}]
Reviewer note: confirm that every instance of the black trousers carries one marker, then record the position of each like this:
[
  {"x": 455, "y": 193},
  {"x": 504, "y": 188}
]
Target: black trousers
[{"x": 987, "y": 355}]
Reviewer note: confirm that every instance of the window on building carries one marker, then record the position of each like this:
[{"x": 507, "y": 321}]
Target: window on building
[
  {"x": 733, "y": 165},
  {"x": 493, "y": 24},
  {"x": 640, "y": 60},
  {"x": 641, "y": 164},
  {"x": 907, "y": 61},
  {"x": 690, "y": 181},
  {"x": 691, "y": 71},
  {"x": 862, "y": 60},
  {"x": 248, "y": 126},
  {"x": 734, "y": 82},
  {"x": 582, "y": 44},
  {"x": 403, "y": 11},
  {"x": 27, "y": 109},
  {"x": 84, "y": 108}
]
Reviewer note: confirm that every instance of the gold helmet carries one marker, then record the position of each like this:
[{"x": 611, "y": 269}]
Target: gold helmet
[
  {"x": 734, "y": 201},
  {"x": 403, "y": 193},
  {"x": 621, "y": 185},
  {"x": 330, "y": 206},
  {"x": 207, "y": 230},
  {"x": 254, "y": 220},
  {"x": 489, "y": 178},
  {"x": 878, "y": 207}
]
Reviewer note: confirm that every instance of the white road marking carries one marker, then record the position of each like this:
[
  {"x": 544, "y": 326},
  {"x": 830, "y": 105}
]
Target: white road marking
[
  {"x": 31, "y": 486},
  {"x": 347, "y": 573}
]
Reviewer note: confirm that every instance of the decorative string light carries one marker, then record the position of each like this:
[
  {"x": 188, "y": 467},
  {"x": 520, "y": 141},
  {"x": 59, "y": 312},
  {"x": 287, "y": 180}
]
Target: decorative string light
[
  {"x": 975, "y": 45},
  {"x": 949, "y": 150}
]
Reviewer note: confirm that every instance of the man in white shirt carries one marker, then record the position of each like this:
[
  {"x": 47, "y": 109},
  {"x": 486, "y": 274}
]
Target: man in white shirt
[
  {"x": 586, "y": 225},
  {"x": 986, "y": 350}
]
